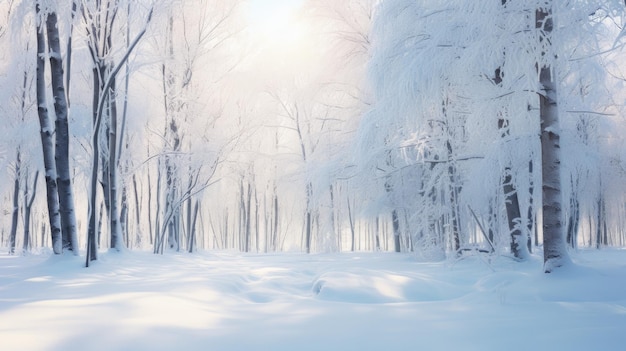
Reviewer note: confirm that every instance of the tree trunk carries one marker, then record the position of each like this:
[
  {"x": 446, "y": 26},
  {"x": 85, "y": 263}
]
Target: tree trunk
[
  {"x": 519, "y": 241},
  {"x": 395, "y": 221},
  {"x": 276, "y": 218},
  {"x": 249, "y": 218},
  {"x": 308, "y": 218},
  {"x": 64, "y": 181},
  {"x": 28, "y": 205},
  {"x": 574, "y": 215},
  {"x": 530, "y": 214},
  {"x": 454, "y": 190},
  {"x": 192, "y": 230},
  {"x": 351, "y": 221},
  {"x": 514, "y": 217},
  {"x": 555, "y": 251},
  {"x": 47, "y": 143},
  {"x": 16, "y": 208},
  {"x": 114, "y": 213},
  {"x": 124, "y": 232}
]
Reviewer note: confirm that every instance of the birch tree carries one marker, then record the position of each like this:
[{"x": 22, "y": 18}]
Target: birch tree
[
  {"x": 47, "y": 137},
  {"x": 100, "y": 18},
  {"x": 555, "y": 252},
  {"x": 92, "y": 248},
  {"x": 62, "y": 136}
]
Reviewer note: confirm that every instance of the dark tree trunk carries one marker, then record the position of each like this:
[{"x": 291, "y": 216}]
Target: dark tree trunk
[
  {"x": 28, "y": 205},
  {"x": 47, "y": 143},
  {"x": 64, "y": 180},
  {"x": 16, "y": 208},
  {"x": 395, "y": 220},
  {"x": 555, "y": 251}
]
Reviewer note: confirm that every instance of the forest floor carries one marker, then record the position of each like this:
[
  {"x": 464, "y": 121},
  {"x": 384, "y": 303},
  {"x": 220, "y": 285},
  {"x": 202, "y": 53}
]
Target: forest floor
[{"x": 351, "y": 301}]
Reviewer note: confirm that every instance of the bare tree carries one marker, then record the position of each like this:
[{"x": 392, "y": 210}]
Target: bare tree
[{"x": 92, "y": 249}]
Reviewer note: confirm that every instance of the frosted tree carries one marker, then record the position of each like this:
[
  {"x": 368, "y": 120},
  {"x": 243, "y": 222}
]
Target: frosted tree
[
  {"x": 593, "y": 83},
  {"x": 20, "y": 104},
  {"x": 439, "y": 126},
  {"x": 519, "y": 238},
  {"x": 593, "y": 22},
  {"x": 423, "y": 116},
  {"x": 188, "y": 160},
  {"x": 62, "y": 135},
  {"x": 99, "y": 110},
  {"x": 55, "y": 140},
  {"x": 100, "y": 18},
  {"x": 555, "y": 253},
  {"x": 346, "y": 92}
]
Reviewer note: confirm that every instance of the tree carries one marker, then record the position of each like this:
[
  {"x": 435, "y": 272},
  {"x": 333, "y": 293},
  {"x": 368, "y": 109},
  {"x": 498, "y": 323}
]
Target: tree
[
  {"x": 62, "y": 137},
  {"x": 511, "y": 200},
  {"x": 29, "y": 199},
  {"x": 190, "y": 147},
  {"x": 555, "y": 252},
  {"x": 47, "y": 138},
  {"x": 92, "y": 248},
  {"x": 432, "y": 129},
  {"x": 100, "y": 17},
  {"x": 15, "y": 210}
]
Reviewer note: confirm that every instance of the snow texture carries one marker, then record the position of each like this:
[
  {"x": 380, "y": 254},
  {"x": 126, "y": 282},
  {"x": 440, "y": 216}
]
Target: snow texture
[{"x": 367, "y": 301}]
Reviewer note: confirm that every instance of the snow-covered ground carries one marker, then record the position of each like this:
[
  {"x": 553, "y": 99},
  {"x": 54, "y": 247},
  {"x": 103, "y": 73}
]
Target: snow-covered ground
[{"x": 362, "y": 301}]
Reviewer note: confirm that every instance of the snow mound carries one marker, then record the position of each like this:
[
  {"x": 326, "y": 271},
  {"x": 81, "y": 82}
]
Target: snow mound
[{"x": 378, "y": 287}]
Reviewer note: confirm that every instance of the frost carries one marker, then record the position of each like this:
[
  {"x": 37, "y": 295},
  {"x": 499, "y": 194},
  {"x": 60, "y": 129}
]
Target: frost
[{"x": 51, "y": 173}]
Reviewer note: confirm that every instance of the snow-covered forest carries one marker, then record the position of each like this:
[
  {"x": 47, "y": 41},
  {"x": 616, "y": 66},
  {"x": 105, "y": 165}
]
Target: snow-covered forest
[
  {"x": 308, "y": 164},
  {"x": 313, "y": 126}
]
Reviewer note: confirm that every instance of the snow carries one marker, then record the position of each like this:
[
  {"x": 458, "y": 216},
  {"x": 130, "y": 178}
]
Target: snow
[{"x": 350, "y": 301}]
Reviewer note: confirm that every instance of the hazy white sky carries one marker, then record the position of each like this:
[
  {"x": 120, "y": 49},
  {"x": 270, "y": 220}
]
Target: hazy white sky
[
  {"x": 265, "y": 8},
  {"x": 284, "y": 37},
  {"x": 271, "y": 15}
]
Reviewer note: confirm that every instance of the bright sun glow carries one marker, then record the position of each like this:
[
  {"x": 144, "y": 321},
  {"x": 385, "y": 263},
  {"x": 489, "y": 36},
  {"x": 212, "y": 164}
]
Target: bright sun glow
[{"x": 275, "y": 22}]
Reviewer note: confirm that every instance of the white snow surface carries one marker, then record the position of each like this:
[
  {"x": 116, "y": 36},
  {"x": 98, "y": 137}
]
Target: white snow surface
[{"x": 357, "y": 301}]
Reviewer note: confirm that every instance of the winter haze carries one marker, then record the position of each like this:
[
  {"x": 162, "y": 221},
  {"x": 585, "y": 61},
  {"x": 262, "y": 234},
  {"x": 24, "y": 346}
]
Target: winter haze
[{"x": 312, "y": 174}]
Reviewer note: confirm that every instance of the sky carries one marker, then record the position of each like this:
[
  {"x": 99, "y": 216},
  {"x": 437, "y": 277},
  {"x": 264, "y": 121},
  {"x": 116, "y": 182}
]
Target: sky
[
  {"x": 284, "y": 43},
  {"x": 276, "y": 21},
  {"x": 268, "y": 8}
]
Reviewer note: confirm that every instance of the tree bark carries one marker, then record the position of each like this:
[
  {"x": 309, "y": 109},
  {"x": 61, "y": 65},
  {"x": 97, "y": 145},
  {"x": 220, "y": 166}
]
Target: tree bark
[
  {"x": 555, "y": 251},
  {"x": 113, "y": 170},
  {"x": 16, "y": 208},
  {"x": 454, "y": 200},
  {"x": 573, "y": 220},
  {"x": 92, "y": 246},
  {"x": 28, "y": 205},
  {"x": 64, "y": 181},
  {"x": 530, "y": 213},
  {"x": 47, "y": 142},
  {"x": 519, "y": 241}
]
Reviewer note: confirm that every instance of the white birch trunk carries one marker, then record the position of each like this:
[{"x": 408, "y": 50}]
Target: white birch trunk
[
  {"x": 555, "y": 251},
  {"x": 64, "y": 181},
  {"x": 47, "y": 143},
  {"x": 114, "y": 213}
]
